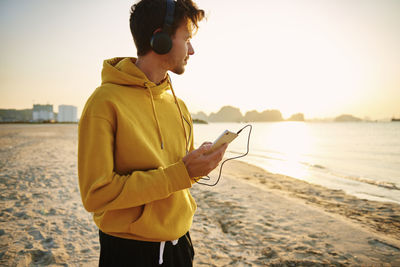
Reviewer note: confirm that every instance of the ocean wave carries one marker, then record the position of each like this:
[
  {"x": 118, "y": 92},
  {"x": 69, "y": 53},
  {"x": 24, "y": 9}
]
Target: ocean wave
[
  {"x": 384, "y": 184},
  {"x": 318, "y": 167}
]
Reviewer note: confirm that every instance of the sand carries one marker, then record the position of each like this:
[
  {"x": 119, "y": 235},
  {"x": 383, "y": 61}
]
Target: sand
[{"x": 251, "y": 218}]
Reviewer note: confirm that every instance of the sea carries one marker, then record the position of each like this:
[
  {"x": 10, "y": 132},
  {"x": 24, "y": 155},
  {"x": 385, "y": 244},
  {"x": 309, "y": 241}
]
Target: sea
[{"x": 360, "y": 158}]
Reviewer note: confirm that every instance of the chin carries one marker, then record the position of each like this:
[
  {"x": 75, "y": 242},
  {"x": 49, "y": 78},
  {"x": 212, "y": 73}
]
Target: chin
[{"x": 179, "y": 70}]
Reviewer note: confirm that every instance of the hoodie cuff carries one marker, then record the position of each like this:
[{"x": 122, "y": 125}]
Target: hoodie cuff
[{"x": 178, "y": 176}]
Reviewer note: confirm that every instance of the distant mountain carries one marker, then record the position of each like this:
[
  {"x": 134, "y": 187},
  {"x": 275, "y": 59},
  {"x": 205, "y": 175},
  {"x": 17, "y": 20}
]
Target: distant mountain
[
  {"x": 200, "y": 116},
  {"x": 227, "y": 113},
  {"x": 266, "y": 115},
  {"x": 253, "y": 115},
  {"x": 347, "y": 118},
  {"x": 271, "y": 115},
  {"x": 233, "y": 114},
  {"x": 198, "y": 121},
  {"x": 297, "y": 117}
]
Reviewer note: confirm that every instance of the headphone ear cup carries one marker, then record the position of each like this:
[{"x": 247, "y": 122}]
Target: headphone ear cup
[{"x": 161, "y": 43}]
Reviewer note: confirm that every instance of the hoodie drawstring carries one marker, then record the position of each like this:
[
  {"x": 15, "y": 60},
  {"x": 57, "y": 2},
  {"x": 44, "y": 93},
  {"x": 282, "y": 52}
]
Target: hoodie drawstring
[
  {"x": 180, "y": 113},
  {"x": 155, "y": 117},
  {"x": 162, "y": 246}
]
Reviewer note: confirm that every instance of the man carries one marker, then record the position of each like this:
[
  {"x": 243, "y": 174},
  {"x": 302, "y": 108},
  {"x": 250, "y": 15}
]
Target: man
[{"x": 136, "y": 160}]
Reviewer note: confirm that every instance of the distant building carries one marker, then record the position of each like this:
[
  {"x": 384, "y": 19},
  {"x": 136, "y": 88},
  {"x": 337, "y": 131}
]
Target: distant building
[
  {"x": 67, "y": 113},
  {"x": 42, "y": 113}
]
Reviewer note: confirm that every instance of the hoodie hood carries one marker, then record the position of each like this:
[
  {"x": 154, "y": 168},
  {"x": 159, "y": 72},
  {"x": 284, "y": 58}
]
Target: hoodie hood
[{"x": 123, "y": 71}]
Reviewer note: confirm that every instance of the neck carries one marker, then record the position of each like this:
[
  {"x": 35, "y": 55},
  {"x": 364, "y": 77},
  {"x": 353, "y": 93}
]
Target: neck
[{"x": 151, "y": 67}]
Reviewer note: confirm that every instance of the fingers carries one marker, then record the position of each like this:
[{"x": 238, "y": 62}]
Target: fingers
[
  {"x": 204, "y": 147},
  {"x": 223, "y": 147},
  {"x": 219, "y": 153},
  {"x": 199, "y": 164},
  {"x": 216, "y": 157}
]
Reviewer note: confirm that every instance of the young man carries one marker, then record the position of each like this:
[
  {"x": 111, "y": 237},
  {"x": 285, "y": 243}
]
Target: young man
[{"x": 136, "y": 160}]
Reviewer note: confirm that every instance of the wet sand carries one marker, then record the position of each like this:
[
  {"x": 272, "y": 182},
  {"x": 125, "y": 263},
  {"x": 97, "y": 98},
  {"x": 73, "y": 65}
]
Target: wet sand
[{"x": 251, "y": 218}]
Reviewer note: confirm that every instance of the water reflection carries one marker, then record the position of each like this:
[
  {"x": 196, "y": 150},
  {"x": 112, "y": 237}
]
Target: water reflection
[{"x": 287, "y": 142}]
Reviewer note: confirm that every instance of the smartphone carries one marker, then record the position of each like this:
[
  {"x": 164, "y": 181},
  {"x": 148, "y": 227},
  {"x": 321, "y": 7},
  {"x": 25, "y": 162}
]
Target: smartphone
[{"x": 225, "y": 137}]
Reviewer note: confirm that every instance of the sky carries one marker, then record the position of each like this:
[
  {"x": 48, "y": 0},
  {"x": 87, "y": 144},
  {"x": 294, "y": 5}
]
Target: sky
[{"x": 322, "y": 58}]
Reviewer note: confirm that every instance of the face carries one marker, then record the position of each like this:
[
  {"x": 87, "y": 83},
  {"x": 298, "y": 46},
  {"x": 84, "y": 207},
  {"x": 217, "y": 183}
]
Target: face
[{"x": 177, "y": 58}]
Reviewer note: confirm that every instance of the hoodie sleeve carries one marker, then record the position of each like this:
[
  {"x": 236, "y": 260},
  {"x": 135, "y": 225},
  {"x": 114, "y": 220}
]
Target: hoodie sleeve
[{"x": 102, "y": 189}]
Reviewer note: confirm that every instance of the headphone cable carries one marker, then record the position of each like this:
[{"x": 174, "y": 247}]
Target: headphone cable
[{"x": 220, "y": 168}]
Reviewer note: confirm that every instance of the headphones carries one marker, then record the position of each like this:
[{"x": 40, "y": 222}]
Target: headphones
[{"x": 161, "y": 42}]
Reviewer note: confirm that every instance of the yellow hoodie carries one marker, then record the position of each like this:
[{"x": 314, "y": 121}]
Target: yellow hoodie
[{"x": 132, "y": 138}]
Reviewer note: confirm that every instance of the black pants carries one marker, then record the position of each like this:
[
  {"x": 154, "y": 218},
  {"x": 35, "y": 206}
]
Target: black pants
[{"x": 120, "y": 252}]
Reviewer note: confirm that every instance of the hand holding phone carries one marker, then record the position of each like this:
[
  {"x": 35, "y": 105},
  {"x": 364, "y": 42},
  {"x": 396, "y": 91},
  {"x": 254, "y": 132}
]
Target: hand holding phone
[{"x": 225, "y": 138}]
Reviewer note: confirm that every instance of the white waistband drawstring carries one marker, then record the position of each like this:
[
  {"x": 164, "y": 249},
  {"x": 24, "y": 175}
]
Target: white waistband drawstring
[{"x": 162, "y": 246}]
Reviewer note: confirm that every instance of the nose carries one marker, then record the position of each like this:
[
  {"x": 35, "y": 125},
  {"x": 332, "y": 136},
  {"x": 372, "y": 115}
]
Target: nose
[{"x": 190, "y": 49}]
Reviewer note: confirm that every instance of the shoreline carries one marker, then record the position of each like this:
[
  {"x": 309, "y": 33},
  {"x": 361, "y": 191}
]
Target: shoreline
[{"x": 372, "y": 190}]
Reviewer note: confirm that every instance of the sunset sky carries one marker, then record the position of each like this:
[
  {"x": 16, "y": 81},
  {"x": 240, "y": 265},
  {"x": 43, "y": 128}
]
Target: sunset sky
[{"x": 322, "y": 58}]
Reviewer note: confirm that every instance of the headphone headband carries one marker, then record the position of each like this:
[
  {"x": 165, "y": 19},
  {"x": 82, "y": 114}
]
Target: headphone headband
[
  {"x": 169, "y": 16},
  {"x": 161, "y": 42}
]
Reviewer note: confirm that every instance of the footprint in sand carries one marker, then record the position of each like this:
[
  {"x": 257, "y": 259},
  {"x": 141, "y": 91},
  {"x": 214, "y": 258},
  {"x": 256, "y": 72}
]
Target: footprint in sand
[{"x": 41, "y": 258}]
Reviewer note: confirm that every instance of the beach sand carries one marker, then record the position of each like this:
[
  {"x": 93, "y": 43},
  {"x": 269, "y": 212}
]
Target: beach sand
[{"x": 251, "y": 218}]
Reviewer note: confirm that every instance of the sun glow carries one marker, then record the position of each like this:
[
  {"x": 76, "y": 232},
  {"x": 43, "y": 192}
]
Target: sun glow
[
  {"x": 289, "y": 143},
  {"x": 291, "y": 139}
]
